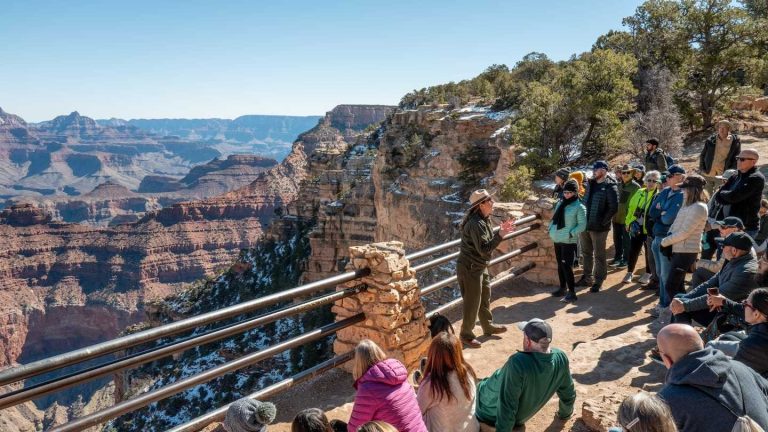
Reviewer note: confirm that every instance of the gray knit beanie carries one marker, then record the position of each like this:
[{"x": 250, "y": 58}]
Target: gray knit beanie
[{"x": 249, "y": 415}]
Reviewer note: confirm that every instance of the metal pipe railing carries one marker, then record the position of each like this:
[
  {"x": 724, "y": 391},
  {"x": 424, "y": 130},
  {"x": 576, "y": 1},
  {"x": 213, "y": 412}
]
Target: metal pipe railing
[
  {"x": 219, "y": 413},
  {"x": 41, "y": 366},
  {"x": 145, "y": 399},
  {"x": 517, "y": 271},
  {"x": 29, "y": 393},
  {"x": 443, "y": 259},
  {"x": 447, "y": 245}
]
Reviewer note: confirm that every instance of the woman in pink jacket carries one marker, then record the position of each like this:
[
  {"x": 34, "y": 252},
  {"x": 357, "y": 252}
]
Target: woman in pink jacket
[{"x": 383, "y": 391}]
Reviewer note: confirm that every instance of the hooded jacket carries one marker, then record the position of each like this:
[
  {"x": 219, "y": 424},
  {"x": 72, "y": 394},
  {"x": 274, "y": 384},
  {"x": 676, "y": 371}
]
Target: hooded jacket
[
  {"x": 698, "y": 385},
  {"x": 753, "y": 351},
  {"x": 383, "y": 393}
]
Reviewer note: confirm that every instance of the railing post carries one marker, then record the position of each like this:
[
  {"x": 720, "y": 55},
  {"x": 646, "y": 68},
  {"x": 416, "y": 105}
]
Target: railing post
[
  {"x": 394, "y": 314},
  {"x": 543, "y": 256}
]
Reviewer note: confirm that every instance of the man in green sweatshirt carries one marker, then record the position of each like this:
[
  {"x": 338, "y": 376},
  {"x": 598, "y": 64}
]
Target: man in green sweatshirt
[{"x": 517, "y": 391}]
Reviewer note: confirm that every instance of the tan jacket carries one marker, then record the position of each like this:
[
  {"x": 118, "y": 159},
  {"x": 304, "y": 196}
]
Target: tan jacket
[{"x": 685, "y": 233}]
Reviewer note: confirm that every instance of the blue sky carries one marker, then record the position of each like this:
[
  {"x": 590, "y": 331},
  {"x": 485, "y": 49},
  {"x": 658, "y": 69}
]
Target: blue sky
[{"x": 194, "y": 58}]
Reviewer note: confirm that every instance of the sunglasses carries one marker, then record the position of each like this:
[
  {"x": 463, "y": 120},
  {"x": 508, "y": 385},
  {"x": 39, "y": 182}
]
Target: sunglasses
[{"x": 626, "y": 172}]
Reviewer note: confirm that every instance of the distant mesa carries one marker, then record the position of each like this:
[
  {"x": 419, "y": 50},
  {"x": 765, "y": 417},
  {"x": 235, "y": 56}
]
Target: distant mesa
[{"x": 25, "y": 214}]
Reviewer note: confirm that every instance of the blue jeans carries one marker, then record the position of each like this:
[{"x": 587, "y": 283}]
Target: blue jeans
[{"x": 662, "y": 270}]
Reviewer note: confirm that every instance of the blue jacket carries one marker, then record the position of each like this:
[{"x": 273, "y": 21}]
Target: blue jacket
[
  {"x": 664, "y": 210},
  {"x": 575, "y": 223}
]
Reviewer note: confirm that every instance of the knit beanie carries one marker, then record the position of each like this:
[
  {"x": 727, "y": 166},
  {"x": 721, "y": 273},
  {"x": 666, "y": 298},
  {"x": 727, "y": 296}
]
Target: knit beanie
[
  {"x": 571, "y": 186},
  {"x": 249, "y": 415},
  {"x": 563, "y": 173}
]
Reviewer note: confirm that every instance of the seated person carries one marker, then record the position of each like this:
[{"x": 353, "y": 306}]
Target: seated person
[
  {"x": 517, "y": 391},
  {"x": 752, "y": 348},
  {"x": 706, "y": 268},
  {"x": 735, "y": 281},
  {"x": 249, "y": 415}
]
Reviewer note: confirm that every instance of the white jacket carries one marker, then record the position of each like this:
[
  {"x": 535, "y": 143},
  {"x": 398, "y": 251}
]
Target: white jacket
[{"x": 685, "y": 233}]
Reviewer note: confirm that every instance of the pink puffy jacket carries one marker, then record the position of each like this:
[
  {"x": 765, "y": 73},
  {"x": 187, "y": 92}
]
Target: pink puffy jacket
[{"x": 383, "y": 393}]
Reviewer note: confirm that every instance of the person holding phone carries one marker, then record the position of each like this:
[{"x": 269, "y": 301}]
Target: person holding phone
[
  {"x": 478, "y": 241},
  {"x": 735, "y": 281}
]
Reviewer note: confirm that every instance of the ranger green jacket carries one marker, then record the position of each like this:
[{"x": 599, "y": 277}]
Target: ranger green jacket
[
  {"x": 477, "y": 241},
  {"x": 517, "y": 391},
  {"x": 626, "y": 190}
]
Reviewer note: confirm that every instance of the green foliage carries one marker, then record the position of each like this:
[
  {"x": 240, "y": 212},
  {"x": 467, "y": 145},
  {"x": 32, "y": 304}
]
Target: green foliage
[{"x": 517, "y": 186}]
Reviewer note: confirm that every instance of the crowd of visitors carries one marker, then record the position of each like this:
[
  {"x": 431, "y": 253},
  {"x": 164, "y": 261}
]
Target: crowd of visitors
[{"x": 714, "y": 332}]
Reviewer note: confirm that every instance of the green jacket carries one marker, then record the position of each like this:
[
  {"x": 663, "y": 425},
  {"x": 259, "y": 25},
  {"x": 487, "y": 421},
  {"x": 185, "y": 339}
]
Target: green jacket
[
  {"x": 575, "y": 223},
  {"x": 626, "y": 190},
  {"x": 517, "y": 391},
  {"x": 477, "y": 240},
  {"x": 641, "y": 199}
]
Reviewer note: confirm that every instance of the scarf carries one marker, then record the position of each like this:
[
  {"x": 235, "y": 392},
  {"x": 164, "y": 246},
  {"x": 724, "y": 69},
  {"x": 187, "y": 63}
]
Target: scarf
[{"x": 559, "y": 217}]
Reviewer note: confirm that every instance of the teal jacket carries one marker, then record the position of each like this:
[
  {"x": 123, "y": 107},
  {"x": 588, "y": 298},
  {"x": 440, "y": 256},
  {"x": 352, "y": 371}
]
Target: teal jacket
[
  {"x": 641, "y": 199},
  {"x": 517, "y": 391},
  {"x": 575, "y": 223}
]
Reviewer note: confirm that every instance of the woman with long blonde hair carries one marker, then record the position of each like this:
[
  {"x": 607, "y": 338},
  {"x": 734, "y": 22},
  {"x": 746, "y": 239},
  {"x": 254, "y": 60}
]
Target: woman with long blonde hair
[
  {"x": 447, "y": 393},
  {"x": 383, "y": 391}
]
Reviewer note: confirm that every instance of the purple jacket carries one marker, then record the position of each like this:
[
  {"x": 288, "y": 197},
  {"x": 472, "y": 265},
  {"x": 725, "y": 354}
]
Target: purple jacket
[{"x": 383, "y": 393}]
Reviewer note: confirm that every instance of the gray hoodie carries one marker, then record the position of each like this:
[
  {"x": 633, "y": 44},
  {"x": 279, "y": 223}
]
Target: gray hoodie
[{"x": 700, "y": 383}]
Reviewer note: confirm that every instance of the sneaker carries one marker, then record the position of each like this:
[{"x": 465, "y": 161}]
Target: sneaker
[
  {"x": 596, "y": 287},
  {"x": 655, "y": 311},
  {"x": 559, "y": 293},
  {"x": 621, "y": 264},
  {"x": 645, "y": 279},
  {"x": 627, "y": 278},
  {"x": 569, "y": 298},
  {"x": 584, "y": 282},
  {"x": 655, "y": 355}
]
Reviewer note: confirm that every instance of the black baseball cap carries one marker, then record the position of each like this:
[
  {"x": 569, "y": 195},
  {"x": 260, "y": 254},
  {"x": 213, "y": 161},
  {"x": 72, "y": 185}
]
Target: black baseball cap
[
  {"x": 536, "y": 329},
  {"x": 731, "y": 222},
  {"x": 676, "y": 169},
  {"x": 739, "y": 240}
]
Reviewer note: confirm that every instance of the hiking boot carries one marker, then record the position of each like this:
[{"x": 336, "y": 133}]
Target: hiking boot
[
  {"x": 471, "y": 343},
  {"x": 650, "y": 286},
  {"x": 559, "y": 293},
  {"x": 569, "y": 298},
  {"x": 627, "y": 278},
  {"x": 645, "y": 279},
  {"x": 596, "y": 287},
  {"x": 584, "y": 282},
  {"x": 494, "y": 329}
]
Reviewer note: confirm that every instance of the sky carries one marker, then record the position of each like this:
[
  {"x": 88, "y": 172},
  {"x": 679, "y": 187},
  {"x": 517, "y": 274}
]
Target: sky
[{"x": 202, "y": 59}]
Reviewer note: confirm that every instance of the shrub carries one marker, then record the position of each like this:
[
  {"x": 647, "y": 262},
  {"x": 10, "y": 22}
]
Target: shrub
[{"x": 517, "y": 186}]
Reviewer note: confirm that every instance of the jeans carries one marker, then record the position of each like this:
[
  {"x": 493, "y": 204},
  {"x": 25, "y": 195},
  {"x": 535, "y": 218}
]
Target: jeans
[
  {"x": 620, "y": 242},
  {"x": 662, "y": 270},
  {"x": 700, "y": 276},
  {"x": 565, "y": 254},
  {"x": 635, "y": 246},
  {"x": 593, "y": 255}
]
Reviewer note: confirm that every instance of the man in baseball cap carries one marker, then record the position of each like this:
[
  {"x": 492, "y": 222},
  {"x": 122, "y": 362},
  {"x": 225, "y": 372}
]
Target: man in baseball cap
[
  {"x": 706, "y": 268},
  {"x": 517, "y": 391},
  {"x": 744, "y": 191},
  {"x": 734, "y": 281}
]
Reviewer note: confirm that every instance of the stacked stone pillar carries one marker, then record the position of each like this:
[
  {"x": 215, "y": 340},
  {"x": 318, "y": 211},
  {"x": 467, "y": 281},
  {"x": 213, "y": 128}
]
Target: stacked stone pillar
[
  {"x": 394, "y": 314},
  {"x": 543, "y": 256}
]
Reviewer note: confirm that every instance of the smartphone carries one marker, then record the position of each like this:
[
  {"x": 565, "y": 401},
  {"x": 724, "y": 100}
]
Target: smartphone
[{"x": 713, "y": 291}]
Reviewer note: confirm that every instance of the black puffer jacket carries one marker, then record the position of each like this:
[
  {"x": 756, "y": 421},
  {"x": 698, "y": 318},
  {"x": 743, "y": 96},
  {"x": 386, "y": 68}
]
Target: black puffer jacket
[
  {"x": 753, "y": 351},
  {"x": 743, "y": 193},
  {"x": 602, "y": 202}
]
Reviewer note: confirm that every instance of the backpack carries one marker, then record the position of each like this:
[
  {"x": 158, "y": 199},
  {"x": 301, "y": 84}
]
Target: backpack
[{"x": 670, "y": 160}]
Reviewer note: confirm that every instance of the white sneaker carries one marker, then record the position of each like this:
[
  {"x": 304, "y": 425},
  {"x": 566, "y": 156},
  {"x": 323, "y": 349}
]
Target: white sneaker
[
  {"x": 627, "y": 278},
  {"x": 645, "y": 279}
]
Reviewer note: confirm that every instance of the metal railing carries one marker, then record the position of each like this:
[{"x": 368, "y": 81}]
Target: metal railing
[{"x": 133, "y": 360}]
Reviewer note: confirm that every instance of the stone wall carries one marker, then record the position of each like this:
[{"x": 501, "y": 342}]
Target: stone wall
[{"x": 394, "y": 313}]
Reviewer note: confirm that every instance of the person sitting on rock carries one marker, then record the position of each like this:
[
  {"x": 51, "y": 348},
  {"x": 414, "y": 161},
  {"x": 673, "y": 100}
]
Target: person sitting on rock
[
  {"x": 750, "y": 348},
  {"x": 735, "y": 281},
  {"x": 383, "y": 391},
  {"x": 517, "y": 391},
  {"x": 644, "y": 412},
  {"x": 447, "y": 393},
  {"x": 705, "y": 389},
  {"x": 706, "y": 268}
]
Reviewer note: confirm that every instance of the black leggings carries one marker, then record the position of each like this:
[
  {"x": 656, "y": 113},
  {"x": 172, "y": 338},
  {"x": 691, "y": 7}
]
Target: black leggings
[
  {"x": 636, "y": 244},
  {"x": 678, "y": 267},
  {"x": 565, "y": 253}
]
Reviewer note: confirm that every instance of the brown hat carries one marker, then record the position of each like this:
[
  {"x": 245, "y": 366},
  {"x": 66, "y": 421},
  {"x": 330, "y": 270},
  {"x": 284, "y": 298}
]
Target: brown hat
[
  {"x": 749, "y": 154},
  {"x": 626, "y": 167},
  {"x": 478, "y": 197},
  {"x": 693, "y": 181}
]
